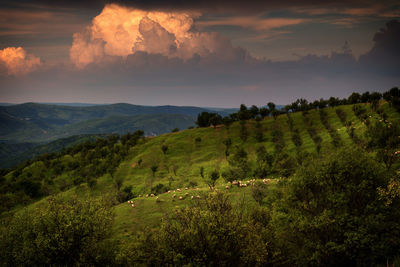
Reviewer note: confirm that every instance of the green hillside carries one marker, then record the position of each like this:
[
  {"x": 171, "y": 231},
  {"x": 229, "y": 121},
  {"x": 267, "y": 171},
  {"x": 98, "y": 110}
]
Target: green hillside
[
  {"x": 193, "y": 149},
  {"x": 182, "y": 163}
]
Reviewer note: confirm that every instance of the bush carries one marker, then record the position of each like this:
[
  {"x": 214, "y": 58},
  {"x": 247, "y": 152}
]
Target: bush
[
  {"x": 331, "y": 214},
  {"x": 62, "y": 233},
  {"x": 259, "y": 191},
  {"x": 159, "y": 189},
  {"x": 211, "y": 232}
]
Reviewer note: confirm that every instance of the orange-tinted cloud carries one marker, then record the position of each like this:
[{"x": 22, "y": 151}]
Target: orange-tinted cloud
[
  {"x": 17, "y": 61},
  {"x": 122, "y": 31}
]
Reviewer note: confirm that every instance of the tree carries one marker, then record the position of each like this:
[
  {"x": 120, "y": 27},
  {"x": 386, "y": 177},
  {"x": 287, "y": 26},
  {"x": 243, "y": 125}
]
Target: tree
[
  {"x": 60, "y": 232},
  {"x": 227, "y": 121},
  {"x": 365, "y": 97},
  {"x": 118, "y": 181},
  {"x": 215, "y": 120},
  {"x": 254, "y": 111},
  {"x": 264, "y": 162},
  {"x": 227, "y": 142},
  {"x": 331, "y": 213},
  {"x": 264, "y": 112},
  {"x": 271, "y": 106},
  {"x": 259, "y": 191},
  {"x": 125, "y": 194},
  {"x": 154, "y": 169},
  {"x": 203, "y": 119},
  {"x": 384, "y": 137},
  {"x": 214, "y": 175},
  {"x": 275, "y": 113},
  {"x": 354, "y": 98},
  {"x": 243, "y": 113},
  {"x": 333, "y": 101},
  {"x": 239, "y": 160},
  {"x": 164, "y": 149},
  {"x": 202, "y": 172},
  {"x": 175, "y": 168}
]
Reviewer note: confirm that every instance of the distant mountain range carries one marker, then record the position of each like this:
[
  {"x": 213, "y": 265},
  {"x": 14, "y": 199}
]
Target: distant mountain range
[
  {"x": 23, "y": 127},
  {"x": 33, "y": 122}
]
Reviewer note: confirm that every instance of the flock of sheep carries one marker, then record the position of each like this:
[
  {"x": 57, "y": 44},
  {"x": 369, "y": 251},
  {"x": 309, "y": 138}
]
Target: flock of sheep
[{"x": 230, "y": 184}]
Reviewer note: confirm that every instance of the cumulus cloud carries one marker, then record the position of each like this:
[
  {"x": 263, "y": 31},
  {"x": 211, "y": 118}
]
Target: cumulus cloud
[
  {"x": 17, "y": 61},
  {"x": 121, "y": 31}
]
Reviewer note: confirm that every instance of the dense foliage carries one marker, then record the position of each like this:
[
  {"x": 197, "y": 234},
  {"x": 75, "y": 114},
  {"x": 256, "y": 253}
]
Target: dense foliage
[
  {"x": 61, "y": 232},
  {"x": 330, "y": 213},
  {"x": 82, "y": 163}
]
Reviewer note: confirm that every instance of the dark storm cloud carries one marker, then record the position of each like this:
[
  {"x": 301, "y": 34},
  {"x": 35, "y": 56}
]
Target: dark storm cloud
[{"x": 385, "y": 54}]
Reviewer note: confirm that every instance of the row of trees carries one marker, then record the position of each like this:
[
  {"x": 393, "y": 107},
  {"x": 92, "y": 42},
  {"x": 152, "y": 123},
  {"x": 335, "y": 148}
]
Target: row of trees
[{"x": 206, "y": 119}]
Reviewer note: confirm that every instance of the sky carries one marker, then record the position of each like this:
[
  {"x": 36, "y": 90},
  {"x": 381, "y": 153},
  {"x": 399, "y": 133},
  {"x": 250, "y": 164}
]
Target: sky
[{"x": 216, "y": 53}]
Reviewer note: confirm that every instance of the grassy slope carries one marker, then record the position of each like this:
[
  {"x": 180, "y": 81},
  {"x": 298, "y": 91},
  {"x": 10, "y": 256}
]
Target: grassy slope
[{"x": 189, "y": 156}]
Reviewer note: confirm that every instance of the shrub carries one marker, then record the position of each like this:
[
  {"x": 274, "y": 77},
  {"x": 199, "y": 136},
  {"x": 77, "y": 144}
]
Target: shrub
[
  {"x": 259, "y": 191},
  {"x": 61, "y": 232},
  {"x": 331, "y": 214},
  {"x": 211, "y": 232}
]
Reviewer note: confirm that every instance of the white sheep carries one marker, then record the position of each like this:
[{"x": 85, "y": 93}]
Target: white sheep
[
  {"x": 198, "y": 197},
  {"x": 152, "y": 195},
  {"x": 179, "y": 190},
  {"x": 180, "y": 198},
  {"x": 174, "y": 196},
  {"x": 133, "y": 205},
  {"x": 227, "y": 187}
]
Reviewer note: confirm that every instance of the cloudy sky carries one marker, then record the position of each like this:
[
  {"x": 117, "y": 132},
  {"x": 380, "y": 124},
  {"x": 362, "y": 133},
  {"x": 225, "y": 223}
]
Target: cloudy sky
[{"x": 205, "y": 53}]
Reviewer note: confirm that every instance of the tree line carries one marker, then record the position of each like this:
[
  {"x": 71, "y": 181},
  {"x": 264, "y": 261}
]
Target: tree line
[{"x": 206, "y": 119}]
